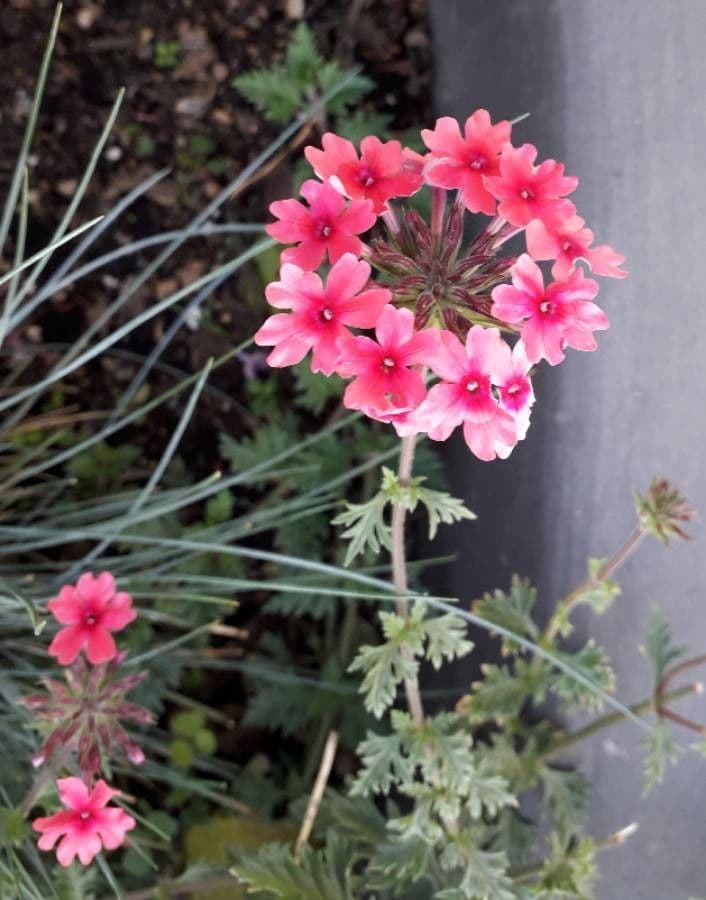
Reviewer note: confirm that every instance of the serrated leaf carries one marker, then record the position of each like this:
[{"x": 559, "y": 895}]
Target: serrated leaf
[
  {"x": 364, "y": 527},
  {"x": 511, "y": 610},
  {"x": 483, "y": 874},
  {"x": 661, "y": 750},
  {"x": 442, "y": 508},
  {"x": 318, "y": 875},
  {"x": 303, "y": 61},
  {"x": 504, "y": 690},
  {"x": 384, "y": 764},
  {"x": 269, "y": 440},
  {"x": 592, "y": 662},
  {"x": 272, "y": 91},
  {"x": 314, "y": 390},
  {"x": 566, "y": 797},
  {"x": 659, "y": 646},
  {"x": 385, "y": 667},
  {"x": 446, "y": 639},
  {"x": 601, "y": 593}
]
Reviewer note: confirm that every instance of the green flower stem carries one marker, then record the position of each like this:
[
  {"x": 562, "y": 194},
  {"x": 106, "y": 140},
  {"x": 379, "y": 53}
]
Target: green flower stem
[
  {"x": 605, "y": 571},
  {"x": 606, "y": 721},
  {"x": 399, "y": 572}
]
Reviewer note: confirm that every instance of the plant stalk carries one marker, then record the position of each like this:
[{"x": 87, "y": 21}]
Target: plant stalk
[
  {"x": 399, "y": 572},
  {"x": 317, "y": 792}
]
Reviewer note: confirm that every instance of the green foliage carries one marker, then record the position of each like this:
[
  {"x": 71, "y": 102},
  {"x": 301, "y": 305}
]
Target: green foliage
[
  {"x": 566, "y": 797},
  {"x": 314, "y": 392},
  {"x": 285, "y": 89},
  {"x": 661, "y": 750},
  {"x": 365, "y": 526},
  {"x": 511, "y": 610},
  {"x": 592, "y": 662},
  {"x": 395, "y": 660},
  {"x": 102, "y": 467},
  {"x": 318, "y": 875},
  {"x": 659, "y": 646}
]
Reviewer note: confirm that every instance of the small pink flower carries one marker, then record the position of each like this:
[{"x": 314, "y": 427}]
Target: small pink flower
[
  {"x": 383, "y": 171},
  {"x": 462, "y": 162},
  {"x": 320, "y": 313},
  {"x": 88, "y": 824},
  {"x": 568, "y": 242},
  {"x": 466, "y": 396},
  {"x": 552, "y": 318},
  {"x": 385, "y": 386},
  {"x": 327, "y": 226},
  {"x": 91, "y": 609},
  {"x": 526, "y": 191}
]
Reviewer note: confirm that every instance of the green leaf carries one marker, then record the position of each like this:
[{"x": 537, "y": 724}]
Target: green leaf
[
  {"x": 483, "y": 874},
  {"x": 446, "y": 639},
  {"x": 384, "y": 764},
  {"x": 659, "y": 645},
  {"x": 592, "y": 662},
  {"x": 320, "y": 874},
  {"x": 512, "y": 610},
  {"x": 303, "y": 60},
  {"x": 503, "y": 691},
  {"x": 387, "y": 665},
  {"x": 364, "y": 527},
  {"x": 272, "y": 91},
  {"x": 269, "y": 440},
  {"x": 661, "y": 750},
  {"x": 442, "y": 509},
  {"x": 566, "y": 797},
  {"x": 13, "y": 826},
  {"x": 186, "y": 724},
  {"x": 601, "y": 593},
  {"x": 314, "y": 390}
]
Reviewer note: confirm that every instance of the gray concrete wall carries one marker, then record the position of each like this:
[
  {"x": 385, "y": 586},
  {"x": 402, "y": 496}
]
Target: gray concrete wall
[{"x": 617, "y": 89}]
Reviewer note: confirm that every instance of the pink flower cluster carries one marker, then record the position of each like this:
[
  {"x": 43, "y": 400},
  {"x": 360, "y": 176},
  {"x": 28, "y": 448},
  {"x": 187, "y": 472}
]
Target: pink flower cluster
[
  {"x": 85, "y": 714},
  {"x": 440, "y": 308}
]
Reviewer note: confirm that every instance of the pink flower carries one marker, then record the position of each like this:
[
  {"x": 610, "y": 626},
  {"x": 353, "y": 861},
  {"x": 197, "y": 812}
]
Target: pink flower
[
  {"x": 526, "y": 191},
  {"x": 88, "y": 824},
  {"x": 91, "y": 609},
  {"x": 328, "y": 226},
  {"x": 462, "y": 162},
  {"x": 319, "y": 312},
  {"x": 466, "y": 396},
  {"x": 384, "y": 385},
  {"x": 384, "y": 169},
  {"x": 552, "y": 318},
  {"x": 568, "y": 242}
]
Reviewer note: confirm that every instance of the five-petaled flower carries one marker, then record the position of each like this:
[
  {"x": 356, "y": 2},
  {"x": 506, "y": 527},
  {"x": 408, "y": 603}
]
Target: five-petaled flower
[
  {"x": 526, "y": 191},
  {"x": 384, "y": 169},
  {"x": 551, "y": 318},
  {"x": 385, "y": 385},
  {"x": 463, "y": 162},
  {"x": 570, "y": 241},
  {"x": 87, "y": 825},
  {"x": 327, "y": 227},
  {"x": 483, "y": 388},
  {"x": 320, "y": 312},
  {"x": 90, "y": 609}
]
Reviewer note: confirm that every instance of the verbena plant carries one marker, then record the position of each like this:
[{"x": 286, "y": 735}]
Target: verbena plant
[{"x": 425, "y": 805}]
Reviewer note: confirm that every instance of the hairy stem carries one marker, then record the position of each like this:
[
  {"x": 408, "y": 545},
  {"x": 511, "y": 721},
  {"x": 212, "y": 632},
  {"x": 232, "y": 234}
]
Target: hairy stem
[
  {"x": 606, "y": 721},
  {"x": 399, "y": 572},
  {"x": 605, "y": 571},
  {"x": 317, "y": 792}
]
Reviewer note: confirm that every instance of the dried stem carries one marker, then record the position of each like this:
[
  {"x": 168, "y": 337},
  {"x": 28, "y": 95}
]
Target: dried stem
[
  {"x": 317, "y": 792},
  {"x": 399, "y": 572}
]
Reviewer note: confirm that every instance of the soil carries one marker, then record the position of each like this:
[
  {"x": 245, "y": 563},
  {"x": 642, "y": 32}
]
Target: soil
[
  {"x": 176, "y": 60},
  {"x": 189, "y": 118}
]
